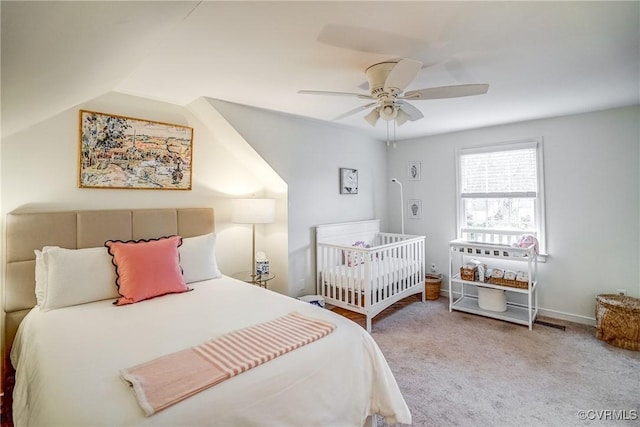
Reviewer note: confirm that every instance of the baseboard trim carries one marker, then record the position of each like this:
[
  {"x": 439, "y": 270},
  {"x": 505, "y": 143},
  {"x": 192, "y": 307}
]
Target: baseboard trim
[
  {"x": 554, "y": 314},
  {"x": 575, "y": 318}
]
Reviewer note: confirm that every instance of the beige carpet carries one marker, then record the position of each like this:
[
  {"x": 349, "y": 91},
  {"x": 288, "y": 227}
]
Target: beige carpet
[{"x": 457, "y": 369}]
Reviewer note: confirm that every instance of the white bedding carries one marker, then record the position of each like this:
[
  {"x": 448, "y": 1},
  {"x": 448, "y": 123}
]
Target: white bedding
[
  {"x": 67, "y": 363},
  {"x": 382, "y": 273}
]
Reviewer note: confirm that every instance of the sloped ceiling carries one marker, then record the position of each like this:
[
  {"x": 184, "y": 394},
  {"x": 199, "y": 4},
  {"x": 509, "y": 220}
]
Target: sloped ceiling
[{"x": 541, "y": 59}]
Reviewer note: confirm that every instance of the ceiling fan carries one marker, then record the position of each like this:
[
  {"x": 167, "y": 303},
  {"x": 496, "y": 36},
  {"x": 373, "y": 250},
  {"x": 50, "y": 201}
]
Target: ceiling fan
[{"x": 387, "y": 82}]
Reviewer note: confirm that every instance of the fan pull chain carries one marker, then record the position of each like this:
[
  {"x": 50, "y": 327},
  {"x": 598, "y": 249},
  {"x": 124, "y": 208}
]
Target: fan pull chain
[
  {"x": 387, "y": 133},
  {"x": 394, "y": 134}
]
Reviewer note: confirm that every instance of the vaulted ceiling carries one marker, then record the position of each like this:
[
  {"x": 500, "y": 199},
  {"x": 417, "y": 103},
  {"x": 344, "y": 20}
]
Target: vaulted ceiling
[{"x": 540, "y": 59}]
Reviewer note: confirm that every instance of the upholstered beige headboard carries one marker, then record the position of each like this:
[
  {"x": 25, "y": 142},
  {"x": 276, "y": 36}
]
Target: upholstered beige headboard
[{"x": 75, "y": 230}]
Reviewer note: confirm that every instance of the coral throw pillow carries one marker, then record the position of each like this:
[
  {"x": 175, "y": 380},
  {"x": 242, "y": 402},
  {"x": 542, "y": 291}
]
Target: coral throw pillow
[{"x": 147, "y": 268}]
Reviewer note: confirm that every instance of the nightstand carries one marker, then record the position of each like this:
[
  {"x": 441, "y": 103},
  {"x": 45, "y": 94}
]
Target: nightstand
[{"x": 256, "y": 279}]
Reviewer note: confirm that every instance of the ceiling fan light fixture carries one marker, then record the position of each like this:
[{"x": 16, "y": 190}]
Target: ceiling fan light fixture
[
  {"x": 388, "y": 112},
  {"x": 372, "y": 117},
  {"x": 401, "y": 117}
]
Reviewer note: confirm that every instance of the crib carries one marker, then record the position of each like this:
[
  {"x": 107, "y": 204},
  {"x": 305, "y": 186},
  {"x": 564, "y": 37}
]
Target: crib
[{"x": 380, "y": 270}]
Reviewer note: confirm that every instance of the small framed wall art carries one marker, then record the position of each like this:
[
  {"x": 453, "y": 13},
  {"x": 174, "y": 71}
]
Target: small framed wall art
[
  {"x": 413, "y": 171},
  {"x": 348, "y": 181},
  {"x": 414, "y": 208},
  {"x": 129, "y": 153}
]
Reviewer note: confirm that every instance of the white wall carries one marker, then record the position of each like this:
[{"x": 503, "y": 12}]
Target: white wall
[
  {"x": 592, "y": 164},
  {"x": 40, "y": 170},
  {"x": 307, "y": 154},
  {"x": 592, "y": 187},
  {"x": 40, "y": 166}
]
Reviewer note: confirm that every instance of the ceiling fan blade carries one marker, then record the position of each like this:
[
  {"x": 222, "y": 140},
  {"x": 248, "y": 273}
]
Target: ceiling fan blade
[
  {"x": 355, "y": 110},
  {"x": 446, "y": 92},
  {"x": 372, "y": 117},
  {"x": 402, "y": 75},
  {"x": 412, "y": 112},
  {"x": 322, "y": 92}
]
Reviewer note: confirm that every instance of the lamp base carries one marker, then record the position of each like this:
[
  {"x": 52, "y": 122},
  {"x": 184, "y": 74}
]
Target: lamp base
[{"x": 253, "y": 251}]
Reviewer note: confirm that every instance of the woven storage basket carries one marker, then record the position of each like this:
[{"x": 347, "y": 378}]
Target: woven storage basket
[
  {"x": 468, "y": 273},
  {"x": 508, "y": 282},
  {"x": 618, "y": 320},
  {"x": 432, "y": 284}
]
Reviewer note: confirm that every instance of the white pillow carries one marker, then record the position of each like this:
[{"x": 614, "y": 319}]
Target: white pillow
[
  {"x": 41, "y": 277},
  {"x": 198, "y": 258},
  {"x": 66, "y": 277}
]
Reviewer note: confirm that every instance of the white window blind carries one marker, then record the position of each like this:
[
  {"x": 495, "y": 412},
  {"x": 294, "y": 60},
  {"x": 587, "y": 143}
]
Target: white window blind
[
  {"x": 496, "y": 174},
  {"x": 500, "y": 192}
]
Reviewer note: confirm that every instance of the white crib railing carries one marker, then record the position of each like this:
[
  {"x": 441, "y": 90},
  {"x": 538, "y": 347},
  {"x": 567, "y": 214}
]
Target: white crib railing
[{"x": 368, "y": 280}]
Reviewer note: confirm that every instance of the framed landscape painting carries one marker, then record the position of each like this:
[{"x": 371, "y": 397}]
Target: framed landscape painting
[{"x": 125, "y": 152}]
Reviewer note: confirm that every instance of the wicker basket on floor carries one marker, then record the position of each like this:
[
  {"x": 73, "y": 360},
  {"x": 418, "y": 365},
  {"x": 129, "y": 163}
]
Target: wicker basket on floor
[
  {"x": 618, "y": 320},
  {"x": 432, "y": 284}
]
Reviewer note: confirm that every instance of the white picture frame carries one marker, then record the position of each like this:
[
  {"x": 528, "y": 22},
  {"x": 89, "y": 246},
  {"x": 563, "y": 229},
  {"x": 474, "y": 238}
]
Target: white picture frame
[
  {"x": 414, "y": 208},
  {"x": 414, "y": 171},
  {"x": 348, "y": 181}
]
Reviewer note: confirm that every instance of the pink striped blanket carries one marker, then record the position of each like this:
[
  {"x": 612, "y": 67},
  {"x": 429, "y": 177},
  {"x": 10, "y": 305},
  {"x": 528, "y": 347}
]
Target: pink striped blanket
[{"x": 170, "y": 379}]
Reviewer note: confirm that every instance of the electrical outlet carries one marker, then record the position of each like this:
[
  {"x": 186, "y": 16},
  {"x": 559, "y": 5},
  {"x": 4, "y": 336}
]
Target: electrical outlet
[
  {"x": 622, "y": 292},
  {"x": 433, "y": 268}
]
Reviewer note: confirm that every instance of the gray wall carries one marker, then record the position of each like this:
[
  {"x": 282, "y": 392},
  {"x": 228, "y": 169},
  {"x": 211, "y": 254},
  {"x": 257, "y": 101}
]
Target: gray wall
[
  {"x": 592, "y": 188},
  {"x": 307, "y": 154}
]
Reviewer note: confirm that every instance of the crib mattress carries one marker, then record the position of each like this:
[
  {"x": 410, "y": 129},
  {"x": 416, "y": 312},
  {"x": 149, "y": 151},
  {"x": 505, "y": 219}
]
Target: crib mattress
[{"x": 381, "y": 273}]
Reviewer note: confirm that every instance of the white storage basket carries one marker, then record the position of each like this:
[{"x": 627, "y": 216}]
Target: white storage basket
[{"x": 492, "y": 299}]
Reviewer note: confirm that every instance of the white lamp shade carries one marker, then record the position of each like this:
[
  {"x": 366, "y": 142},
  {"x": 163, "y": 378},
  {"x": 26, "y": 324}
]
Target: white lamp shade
[{"x": 253, "y": 211}]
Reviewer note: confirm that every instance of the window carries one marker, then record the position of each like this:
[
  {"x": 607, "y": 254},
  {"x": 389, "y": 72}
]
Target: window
[{"x": 500, "y": 192}]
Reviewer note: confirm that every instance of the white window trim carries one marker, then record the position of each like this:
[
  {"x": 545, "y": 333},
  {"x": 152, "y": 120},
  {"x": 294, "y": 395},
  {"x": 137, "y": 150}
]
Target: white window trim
[{"x": 540, "y": 205}]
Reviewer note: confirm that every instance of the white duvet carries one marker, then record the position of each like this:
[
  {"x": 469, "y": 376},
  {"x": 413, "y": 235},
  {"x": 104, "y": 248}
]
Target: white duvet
[{"x": 67, "y": 363}]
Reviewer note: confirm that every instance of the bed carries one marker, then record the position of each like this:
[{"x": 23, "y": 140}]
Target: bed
[
  {"x": 365, "y": 271},
  {"x": 68, "y": 357}
]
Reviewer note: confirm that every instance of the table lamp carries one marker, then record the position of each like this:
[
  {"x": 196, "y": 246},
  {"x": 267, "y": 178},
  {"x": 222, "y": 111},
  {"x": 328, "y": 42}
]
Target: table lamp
[{"x": 253, "y": 211}]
